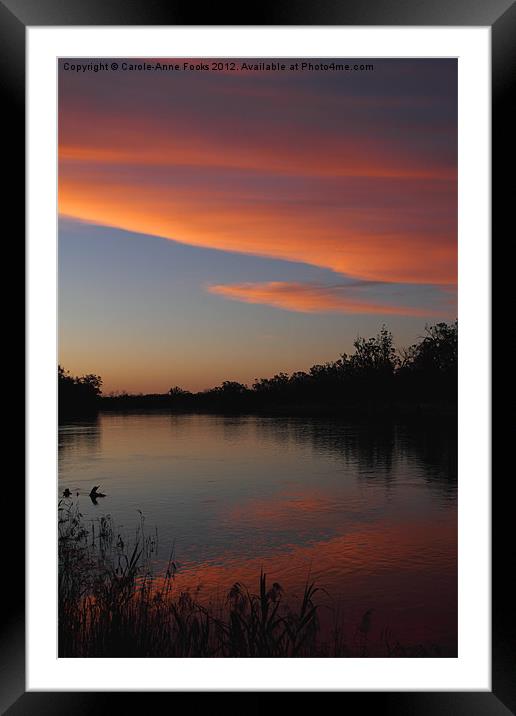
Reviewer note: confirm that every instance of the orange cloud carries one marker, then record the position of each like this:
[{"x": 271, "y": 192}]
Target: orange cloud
[
  {"x": 315, "y": 158},
  {"x": 362, "y": 185},
  {"x": 384, "y": 244},
  {"x": 310, "y": 298}
]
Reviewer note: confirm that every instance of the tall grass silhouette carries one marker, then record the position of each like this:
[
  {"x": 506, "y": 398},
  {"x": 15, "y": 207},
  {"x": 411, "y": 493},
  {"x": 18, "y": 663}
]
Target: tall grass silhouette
[{"x": 112, "y": 605}]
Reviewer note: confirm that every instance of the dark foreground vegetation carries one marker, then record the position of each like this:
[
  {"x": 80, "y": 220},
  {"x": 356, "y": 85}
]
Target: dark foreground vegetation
[
  {"x": 111, "y": 605},
  {"x": 375, "y": 378}
]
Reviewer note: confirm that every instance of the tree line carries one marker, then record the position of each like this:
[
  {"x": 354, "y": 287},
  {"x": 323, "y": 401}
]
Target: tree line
[
  {"x": 374, "y": 376},
  {"x": 78, "y": 394}
]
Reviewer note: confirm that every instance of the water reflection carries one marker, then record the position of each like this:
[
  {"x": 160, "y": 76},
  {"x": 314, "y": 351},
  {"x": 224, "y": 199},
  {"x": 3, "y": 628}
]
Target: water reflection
[
  {"x": 79, "y": 438},
  {"x": 369, "y": 511},
  {"x": 372, "y": 446}
]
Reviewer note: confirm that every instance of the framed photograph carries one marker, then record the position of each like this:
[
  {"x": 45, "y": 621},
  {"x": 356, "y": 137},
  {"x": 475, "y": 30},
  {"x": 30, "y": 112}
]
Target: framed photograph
[{"x": 258, "y": 355}]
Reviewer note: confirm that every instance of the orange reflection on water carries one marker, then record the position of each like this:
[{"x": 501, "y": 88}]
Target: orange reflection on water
[
  {"x": 405, "y": 572},
  {"x": 367, "y": 512}
]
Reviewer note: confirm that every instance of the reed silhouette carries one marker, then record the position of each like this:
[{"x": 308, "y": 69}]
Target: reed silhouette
[{"x": 112, "y": 605}]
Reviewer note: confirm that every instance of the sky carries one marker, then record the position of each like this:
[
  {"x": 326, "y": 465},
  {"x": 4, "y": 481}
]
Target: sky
[{"x": 231, "y": 225}]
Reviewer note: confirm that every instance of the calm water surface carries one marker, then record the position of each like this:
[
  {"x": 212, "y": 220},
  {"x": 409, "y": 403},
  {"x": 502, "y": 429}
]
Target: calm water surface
[{"x": 369, "y": 512}]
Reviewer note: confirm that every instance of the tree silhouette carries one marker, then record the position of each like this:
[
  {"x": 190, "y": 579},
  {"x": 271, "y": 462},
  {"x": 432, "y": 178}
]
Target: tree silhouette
[
  {"x": 374, "y": 377},
  {"x": 78, "y": 394},
  {"x": 429, "y": 368}
]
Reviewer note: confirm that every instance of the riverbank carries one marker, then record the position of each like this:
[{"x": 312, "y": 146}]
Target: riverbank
[{"x": 355, "y": 411}]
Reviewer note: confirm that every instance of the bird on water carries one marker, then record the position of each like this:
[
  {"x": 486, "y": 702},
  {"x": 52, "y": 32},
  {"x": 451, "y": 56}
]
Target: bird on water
[{"x": 95, "y": 493}]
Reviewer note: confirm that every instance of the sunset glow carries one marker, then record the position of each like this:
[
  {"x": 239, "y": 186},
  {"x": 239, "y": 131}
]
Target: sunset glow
[{"x": 351, "y": 176}]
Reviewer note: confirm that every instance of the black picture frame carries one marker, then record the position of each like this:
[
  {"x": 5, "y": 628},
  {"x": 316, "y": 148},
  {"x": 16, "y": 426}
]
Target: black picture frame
[{"x": 500, "y": 15}]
